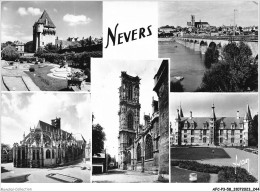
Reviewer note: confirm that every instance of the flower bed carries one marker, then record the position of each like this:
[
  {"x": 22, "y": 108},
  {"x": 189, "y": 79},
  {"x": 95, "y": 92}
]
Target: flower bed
[{"x": 225, "y": 173}]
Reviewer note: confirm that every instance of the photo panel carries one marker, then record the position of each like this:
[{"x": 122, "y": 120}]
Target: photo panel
[
  {"x": 210, "y": 53},
  {"x": 131, "y": 121},
  {"x": 214, "y": 137},
  {"x": 45, "y": 138},
  {"x": 47, "y": 45}
]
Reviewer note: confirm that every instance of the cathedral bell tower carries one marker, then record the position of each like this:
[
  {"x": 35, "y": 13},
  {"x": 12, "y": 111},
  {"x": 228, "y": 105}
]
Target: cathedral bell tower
[{"x": 129, "y": 113}]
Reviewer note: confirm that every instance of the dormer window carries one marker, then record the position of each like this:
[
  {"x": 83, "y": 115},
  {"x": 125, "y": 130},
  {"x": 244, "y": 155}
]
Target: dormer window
[
  {"x": 233, "y": 126},
  {"x": 241, "y": 125},
  {"x": 205, "y": 126},
  {"x": 222, "y": 125},
  {"x": 192, "y": 125},
  {"x": 46, "y": 22},
  {"x": 186, "y": 125}
]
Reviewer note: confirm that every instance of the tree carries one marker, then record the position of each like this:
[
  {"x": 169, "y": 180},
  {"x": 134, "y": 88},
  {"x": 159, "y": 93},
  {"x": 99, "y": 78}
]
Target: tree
[
  {"x": 98, "y": 138},
  {"x": 236, "y": 72},
  {"x": 51, "y": 48},
  {"x": 10, "y": 53},
  {"x": 253, "y": 132},
  {"x": 211, "y": 55},
  {"x": 176, "y": 86}
]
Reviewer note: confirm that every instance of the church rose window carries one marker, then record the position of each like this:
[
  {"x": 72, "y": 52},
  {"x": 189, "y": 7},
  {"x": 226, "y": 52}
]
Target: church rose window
[
  {"x": 148, "y": 147},
  {"x": 48, "y": 154},
  {"x": 130, "y": 121},
  {"x": 139, "y": 152}
]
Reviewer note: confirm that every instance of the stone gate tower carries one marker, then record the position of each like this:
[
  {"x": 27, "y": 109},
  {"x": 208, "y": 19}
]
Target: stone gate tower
[
  {"x": 129, "y": 113},
  {"x": 44, "y": 31}
]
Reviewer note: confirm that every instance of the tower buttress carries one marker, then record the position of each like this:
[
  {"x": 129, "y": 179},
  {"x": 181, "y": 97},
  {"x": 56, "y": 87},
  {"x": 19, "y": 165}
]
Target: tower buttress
[{"x": 129, "y": 114}]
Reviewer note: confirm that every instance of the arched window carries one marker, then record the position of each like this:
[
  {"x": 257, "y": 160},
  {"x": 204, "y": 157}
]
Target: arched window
[
  {"x": 130, "y": 121},
  {"x": 33, "y": 155},
  {"x": 53, "y": 154},
  {"x": 48, "y": 154},
  {"x": 130, "y": 92},
  {"x": 38, "y": 154},
  {"x": 130, "y": 142},
  {"x": 138, "y": 152},
  {"x": 129, "y": 157},
  {"x": 148, "y": 147}
]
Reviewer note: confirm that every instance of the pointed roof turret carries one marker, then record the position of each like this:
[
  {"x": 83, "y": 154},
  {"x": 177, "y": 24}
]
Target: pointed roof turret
[
  {"x": 45, "y": 20},
  {"x": 181, "y": 113},
  {"x": 248, "y": 114},
  {"x": 178, "y": 115},
  {"x": 213, "y": 116}
]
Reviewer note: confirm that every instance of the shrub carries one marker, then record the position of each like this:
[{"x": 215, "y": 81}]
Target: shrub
[
  {"x": 31, "y": 69},
  {"x": 176, "y": 86},
  {"x": 9, "y": 53},
  {"x": 36, "y": 62},
  {"x": 225, "y": 173},
  {"x": 21, "y": 61}
]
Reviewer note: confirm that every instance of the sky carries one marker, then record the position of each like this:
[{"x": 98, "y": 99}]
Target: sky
[
  {"x": 20, "y": 111},
  {"x": 105, "y": 94},
  {"x": 216, "y": 13},
  {"x": 71, "y": 18},
  {"x": 226, "y": 104}
]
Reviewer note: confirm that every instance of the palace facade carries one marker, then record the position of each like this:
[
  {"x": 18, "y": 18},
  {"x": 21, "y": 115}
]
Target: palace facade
[
  {"x": 47, "y": 145},
  {"x": 144, "y": 147},
  {"x": 212, "y": 130}
]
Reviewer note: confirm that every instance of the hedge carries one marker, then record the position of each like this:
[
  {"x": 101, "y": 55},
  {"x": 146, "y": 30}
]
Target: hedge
[
  {"x": 79, "y": 60},
  {"x": 225, "y": 173}
]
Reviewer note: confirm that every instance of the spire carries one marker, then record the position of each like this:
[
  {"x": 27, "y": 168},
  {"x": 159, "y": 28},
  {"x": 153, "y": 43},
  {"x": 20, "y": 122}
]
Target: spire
[
  {"x": 249, "y": 117},
  {"x": 213, "y": 116},
  {"x": 181, "y": 113},
  {"x": 178, "y": 115}
]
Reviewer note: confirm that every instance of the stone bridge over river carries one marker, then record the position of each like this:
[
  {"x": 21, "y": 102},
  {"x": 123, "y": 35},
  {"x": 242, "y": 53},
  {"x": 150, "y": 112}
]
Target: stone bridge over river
[{"x": 202, "y": 43}]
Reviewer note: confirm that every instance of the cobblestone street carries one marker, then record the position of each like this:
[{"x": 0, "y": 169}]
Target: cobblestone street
[
  {"x": 124, "y": 176},
  {"x": 10, "y": 174}
]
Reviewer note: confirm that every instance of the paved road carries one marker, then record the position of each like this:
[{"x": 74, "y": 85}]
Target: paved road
[
  {"x": 124, "y": 176},
  {"x": 37, "y": 175}
]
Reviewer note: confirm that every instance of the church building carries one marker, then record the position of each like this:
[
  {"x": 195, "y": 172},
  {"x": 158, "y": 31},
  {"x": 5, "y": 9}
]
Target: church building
[
  {"x": 212, "y": 130},
  {"x": 145, "y": 147},
  {"x": 47, "y": 145}
]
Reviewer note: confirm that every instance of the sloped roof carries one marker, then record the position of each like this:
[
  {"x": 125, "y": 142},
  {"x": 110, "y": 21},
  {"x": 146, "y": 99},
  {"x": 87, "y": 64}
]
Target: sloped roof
[
  {"x": 199, "y": 121},
  {"x": 43, "y": 18}
]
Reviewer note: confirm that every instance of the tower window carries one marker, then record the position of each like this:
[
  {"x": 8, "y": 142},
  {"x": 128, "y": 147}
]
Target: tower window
[
  {"x": 48, "y": 154},
  {"x": 139, "y": 152},
  {"x": 130, "y": 121},
  {"x": 148, "y": 147},
  {"x": 130, "y": 92}
]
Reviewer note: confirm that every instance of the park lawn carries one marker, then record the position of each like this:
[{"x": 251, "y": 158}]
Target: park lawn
[
  {"x": 182, "y": 176},
  {"x": 44, "y": 82},
  {"x": 197, "y": 153}
]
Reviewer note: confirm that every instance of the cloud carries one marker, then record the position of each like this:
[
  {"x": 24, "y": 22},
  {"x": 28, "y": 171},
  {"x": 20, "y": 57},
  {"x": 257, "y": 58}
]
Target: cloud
[
  {"x": 5, "y": 8},
  {"x": 55, "y": 10},
  {"x": 29, "y": 11},
  {"x": 76, "y": 19}
]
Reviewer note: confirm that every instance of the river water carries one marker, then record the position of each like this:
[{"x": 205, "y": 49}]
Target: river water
[{"x": 184, "y": 62}]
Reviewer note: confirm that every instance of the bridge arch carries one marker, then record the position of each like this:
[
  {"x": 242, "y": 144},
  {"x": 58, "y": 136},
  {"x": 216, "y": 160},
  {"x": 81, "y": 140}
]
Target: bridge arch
[{"x": 212, "y": 44}]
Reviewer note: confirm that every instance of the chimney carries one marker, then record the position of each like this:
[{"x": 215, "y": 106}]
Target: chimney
[
  {"x": 238, "y": 115},
  {"x": 190, "y": 114}
]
